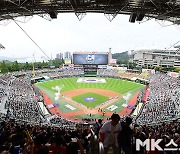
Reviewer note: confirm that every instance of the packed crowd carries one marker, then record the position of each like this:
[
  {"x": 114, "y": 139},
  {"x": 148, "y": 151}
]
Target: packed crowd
[
  {"x": 60, "y": 136},
  {"x": 122, "y": 136},
  {"x": 163, "y": 103},
  {"x": 21, "y": 102},
  {"x": 121, "y": 74},
  {"x": 68, "y": 72},
  {"x": 108, "y": 72},
  {"x": 62, "y": 122},
  {"x": 21, "y": 138},
  {"x": 119, "y": 134},
  {"x": 62, "y": 73},
  {"x": 5, "y": 81}
]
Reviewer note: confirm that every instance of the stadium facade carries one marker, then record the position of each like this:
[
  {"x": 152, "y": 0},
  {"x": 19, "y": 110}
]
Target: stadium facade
[{"x": 164, "y": 58}]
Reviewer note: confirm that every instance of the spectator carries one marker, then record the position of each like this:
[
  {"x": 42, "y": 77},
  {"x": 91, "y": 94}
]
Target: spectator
[
  {"x": 109, "y": 132},
  {"x": 125, "y": 136},
  {"x": 98, "y": 126}
]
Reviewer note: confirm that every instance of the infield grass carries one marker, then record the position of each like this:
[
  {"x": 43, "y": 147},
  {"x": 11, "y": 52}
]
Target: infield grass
[{"x": 98, "y": 99}]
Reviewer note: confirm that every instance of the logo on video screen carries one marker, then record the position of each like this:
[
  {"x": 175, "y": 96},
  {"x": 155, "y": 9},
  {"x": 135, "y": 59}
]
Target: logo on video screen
[{"x": 90, "y": 58}]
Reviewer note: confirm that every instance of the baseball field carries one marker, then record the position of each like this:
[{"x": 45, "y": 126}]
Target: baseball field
[{"x": 77, "y": 100}]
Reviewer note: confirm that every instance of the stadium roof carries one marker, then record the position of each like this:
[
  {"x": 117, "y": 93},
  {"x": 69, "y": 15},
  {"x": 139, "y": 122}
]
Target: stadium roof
[
  {"x": 177, "y": 46},
  {"x": 1, "y": 46},
  {"x": 137, "y": 9}
]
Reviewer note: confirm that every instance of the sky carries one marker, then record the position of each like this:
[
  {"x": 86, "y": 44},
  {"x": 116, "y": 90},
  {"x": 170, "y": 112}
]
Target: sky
[{"x": 93, "y": 33}]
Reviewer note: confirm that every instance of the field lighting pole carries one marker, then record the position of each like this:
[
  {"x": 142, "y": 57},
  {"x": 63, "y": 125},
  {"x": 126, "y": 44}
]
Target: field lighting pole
[
  {"x": 33, "y": 71},
  {"x": 129, "y": 53}
]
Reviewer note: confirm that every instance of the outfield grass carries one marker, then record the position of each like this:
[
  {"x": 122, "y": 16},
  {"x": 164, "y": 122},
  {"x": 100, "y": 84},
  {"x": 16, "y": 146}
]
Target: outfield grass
[
  {"x": 117, "y": 85},
  {"x": 98, "y": 99}
]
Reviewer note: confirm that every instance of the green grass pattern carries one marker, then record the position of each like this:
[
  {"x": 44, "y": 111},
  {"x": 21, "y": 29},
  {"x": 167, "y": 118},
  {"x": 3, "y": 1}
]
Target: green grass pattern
[
  {"x": 61, "y": 103},
  {"x": 117, "y": 85},
  {"x": 121, "y": 101},
  {"x": 98, "y": 99}
]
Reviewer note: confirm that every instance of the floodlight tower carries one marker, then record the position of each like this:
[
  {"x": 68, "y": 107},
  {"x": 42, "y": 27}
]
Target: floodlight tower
[
  {"x": 33, "y": 71},
  {"x": 129, "y": 54}
]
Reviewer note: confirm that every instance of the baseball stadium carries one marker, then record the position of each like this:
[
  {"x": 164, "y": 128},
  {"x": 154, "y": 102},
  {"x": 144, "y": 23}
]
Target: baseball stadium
[
  {"x": 91, "y": 96},
  {"x": 83, "y": 97},
  {"x": 85, "y": 102},
  {"x": 79, "y": 99}
]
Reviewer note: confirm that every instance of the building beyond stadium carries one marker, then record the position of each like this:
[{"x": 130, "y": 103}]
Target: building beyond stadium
[{"x": 164, "y": 58}]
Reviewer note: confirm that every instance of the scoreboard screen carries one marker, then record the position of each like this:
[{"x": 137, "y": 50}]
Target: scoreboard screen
[{"x": 98, "y": 59}]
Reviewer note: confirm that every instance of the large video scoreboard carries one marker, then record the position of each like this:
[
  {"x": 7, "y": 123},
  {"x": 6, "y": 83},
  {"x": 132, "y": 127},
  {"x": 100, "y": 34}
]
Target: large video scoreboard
[
  {"x": 90, "y": 61},
  {"x": 93, "y": 58}
]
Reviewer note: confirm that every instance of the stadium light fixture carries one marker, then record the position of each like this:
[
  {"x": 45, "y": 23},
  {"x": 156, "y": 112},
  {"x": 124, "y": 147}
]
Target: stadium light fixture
[
  {"x": 1, "y": 46},
  {"x": 132, "y": 17},
  {"x": 140, "y": 16},
  {"x": 53, "y": 14}
]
